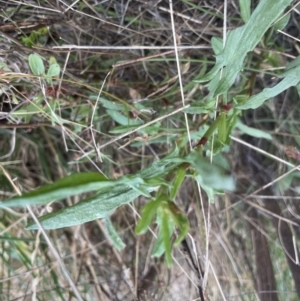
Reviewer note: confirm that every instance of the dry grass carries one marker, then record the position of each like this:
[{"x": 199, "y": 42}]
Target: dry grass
[{"x": 34, "y": 152}]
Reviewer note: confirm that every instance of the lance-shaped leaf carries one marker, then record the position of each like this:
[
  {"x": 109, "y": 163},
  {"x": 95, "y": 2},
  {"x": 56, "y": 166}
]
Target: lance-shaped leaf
[
  {"x": 252, "y": 131},
  {"x": 180, "y": 221},
  {"x": 291, "y": 78},
  {"x": 148, "y": 212},
  {"x": 166, "y": 234},
  {"x": 163, "y": 242},
  {"x": 222, "y": 128},
  {"x": 110, "y": 197},
  {"x": 213, "y": 127},
  {"x": 179, "y": 177},
  {"x": 113, "y": 234},
  {"x": 245, "y": 8},
  {"x": 209, "y": 174},
  {"x": 242, "y": 40},
  {"x": 63, "y": 188},
  {"x": 98, "y": 206}
]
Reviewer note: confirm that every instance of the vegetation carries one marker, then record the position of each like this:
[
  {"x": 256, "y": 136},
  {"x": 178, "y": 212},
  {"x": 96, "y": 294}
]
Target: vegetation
[{"x": 167, "y": 131}]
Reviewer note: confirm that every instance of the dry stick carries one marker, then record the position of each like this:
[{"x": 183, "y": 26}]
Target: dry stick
[
  {"x": 267, "y": 185},
  {"x": 271, "y": 213},
  {"x": 207, "y": 263},
  {"x": 274, "y": 197},
  {"x": 217, "y": 280},
  {"x": 58, "y": 92},
  {"x": 262, "y": 152},
  {"x": 296, "y": 251},
  {"x": 133, "y": 47},
  {"x": 35, "y": 6},
  {"x": 188, "y": 18},
  {"x": 24, "y": 125},
  {"x": 12, "y": 145},
  {"x": 93, "y": 115},
  {"x": 288, "y": 254},
  {"x": 180, "y": 15},
  {"x": 181, "y": 92},
  {"x": 135, "y": 130},
  {"x": 141, "y": 59},
  {"x": 179, "y": 72}
]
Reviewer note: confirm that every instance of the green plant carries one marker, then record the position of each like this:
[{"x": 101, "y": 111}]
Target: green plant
[
  {"x": 35, "y": 37},
  {"x": 166, "y": 175}
]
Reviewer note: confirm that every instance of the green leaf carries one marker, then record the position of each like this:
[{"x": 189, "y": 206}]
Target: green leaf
[
  {"x": 209, "y": 174},
  {"x": 36, "y": 64},
  {"x": 252, "y": 131},
  {"x": 121, "y": 119},
  {"x": 285, "y": 183},
  {"x": 213, "y": 127},
  {"x": 200, "y": 108},
  {"x": 166, "y": 234},
  {"x": 242, "y": 40},
  {"x": 53, "y": 71},
  {"x": 110, "y": 197},
  {"x": 231, "y": 122},
  {"x": 209, "y": 191},
  {"x": 291, "y": 78},
  {"x": 97, "y": 206},
  {"x": 112, "y": 105},
  {"x": 180, "y": 221},
  {"x": 136, "y": 183},
  {"x": 63, "y": 188},
  {"x": 113, "y": 235},
  {"x": 52, "y": 60},
  {"x": 122, "y": 129},
  {"x": 281, "y": 24},
  {"x": 179, "y": 177},
  {"x": 293, "y": 64},
  {"x": 148, "y": 213},
  {"x": 222, "y": 129},
  {"x": 217, "y": 45},
  {"x": 245, "y": 6},
  {"x": 159, "y": 246},
  {"x": 161, "y": 167},
  {"x": 4, "y": 67},
  {"x": 297, "y": 189},
  {"x": 27, "y": 111}
]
